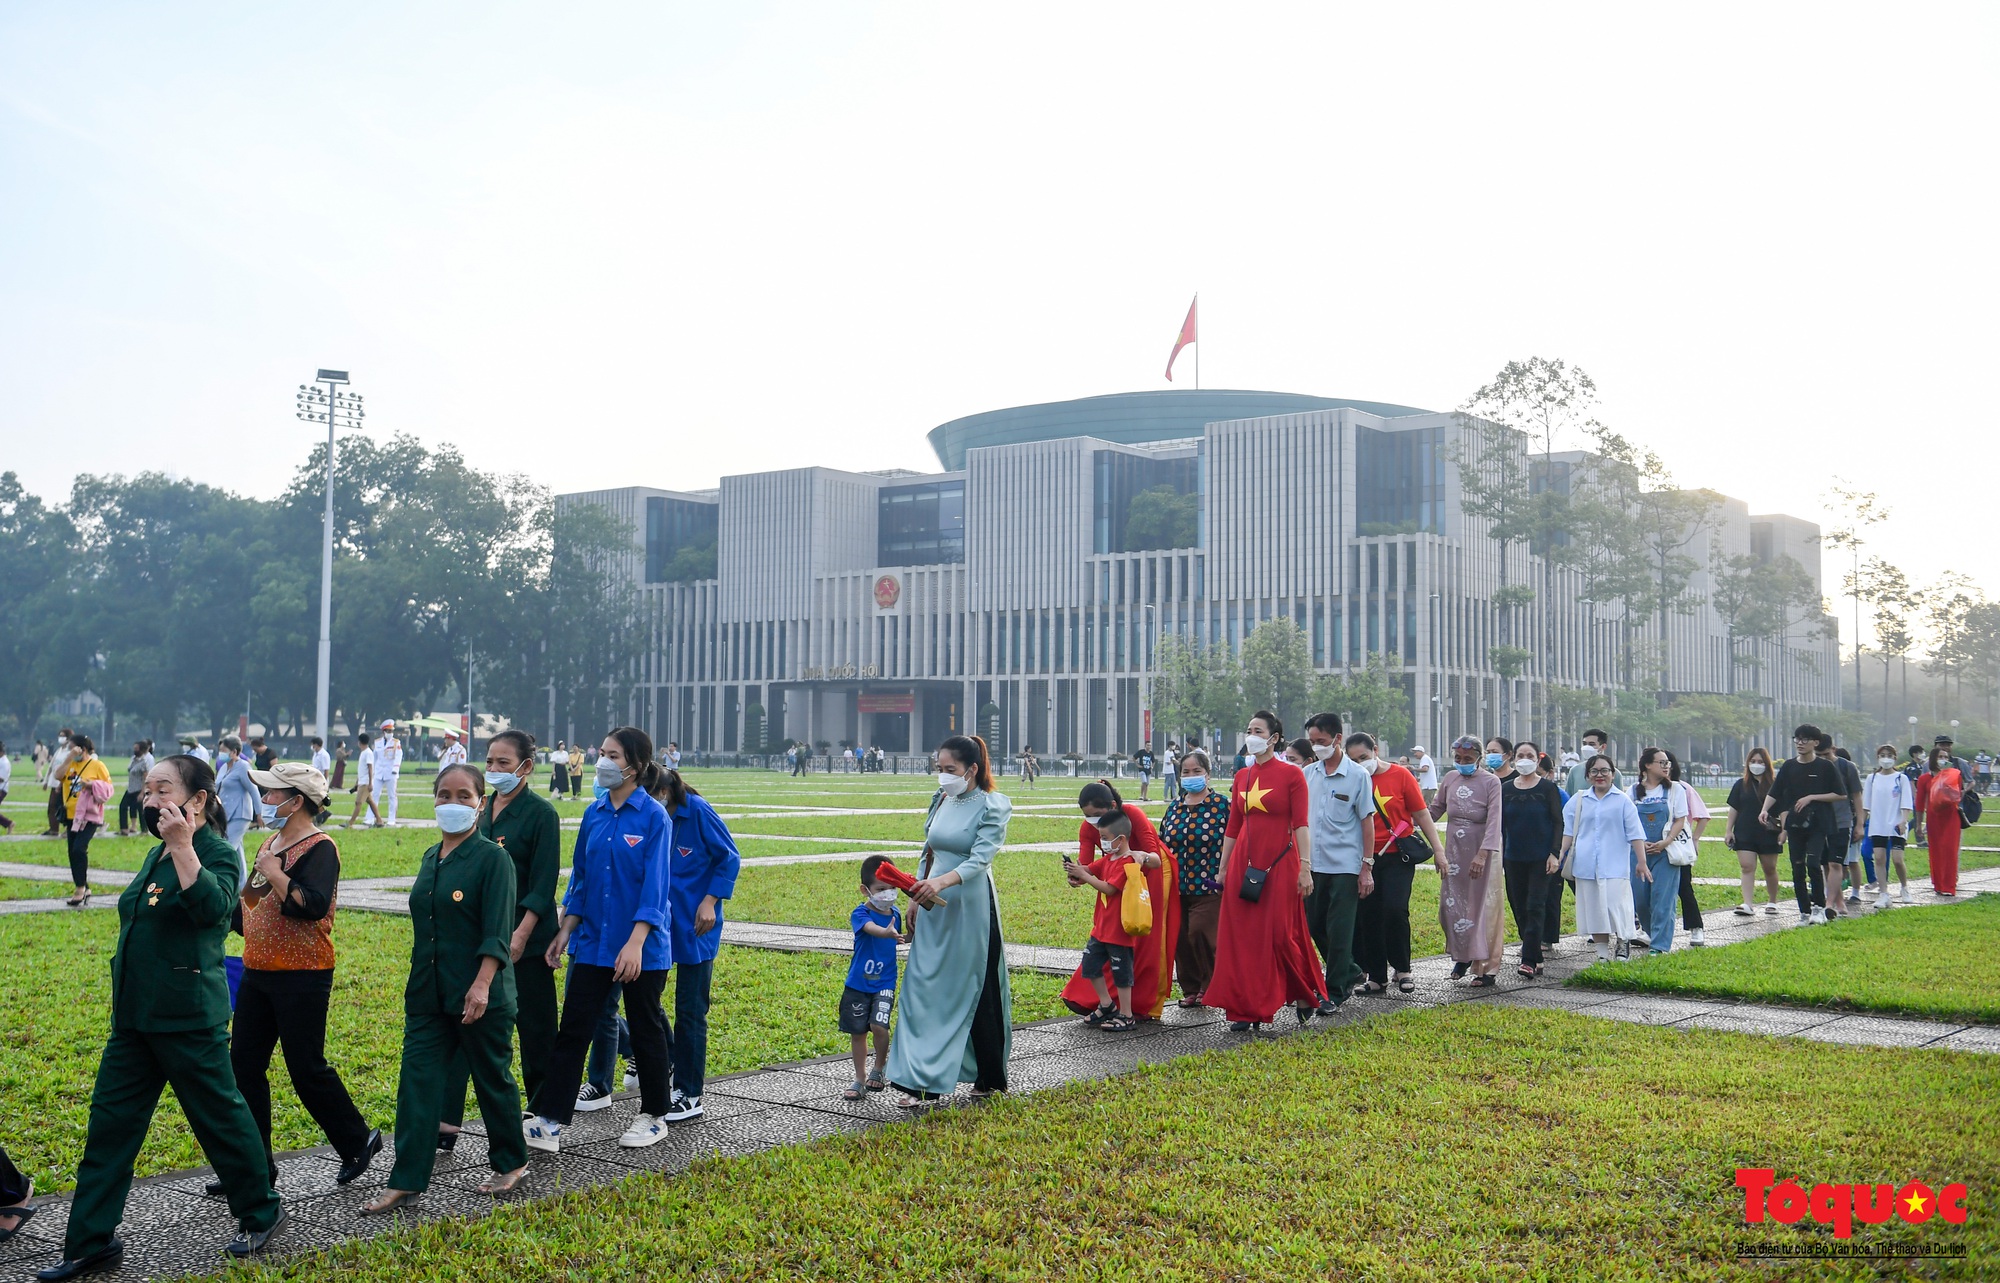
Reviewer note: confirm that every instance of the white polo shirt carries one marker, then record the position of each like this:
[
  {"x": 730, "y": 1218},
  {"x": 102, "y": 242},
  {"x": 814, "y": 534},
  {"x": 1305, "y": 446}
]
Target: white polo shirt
[
  {"x": 364, "y": 767},
  {"x": 321, "y": 761}
]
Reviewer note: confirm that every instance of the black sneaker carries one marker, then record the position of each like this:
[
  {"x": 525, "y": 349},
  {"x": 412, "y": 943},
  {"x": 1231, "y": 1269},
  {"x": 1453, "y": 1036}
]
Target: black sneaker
[
  {"x": 1328, "y": 1007},
  {"x": 589, "y": 1099},
  {"x": 681, "y": 1106}
]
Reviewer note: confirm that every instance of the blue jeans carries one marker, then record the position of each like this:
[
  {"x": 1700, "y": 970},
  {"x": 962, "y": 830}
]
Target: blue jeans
[
  {"x": 1657, "y": 901},
  {"x": 691, "y": 1024}
]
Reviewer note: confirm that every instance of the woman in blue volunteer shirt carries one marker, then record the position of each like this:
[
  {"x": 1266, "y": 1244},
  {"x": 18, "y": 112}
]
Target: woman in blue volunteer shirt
[
  {"x": 705, "y": 864},
  {"x": 615, "y": 926}
]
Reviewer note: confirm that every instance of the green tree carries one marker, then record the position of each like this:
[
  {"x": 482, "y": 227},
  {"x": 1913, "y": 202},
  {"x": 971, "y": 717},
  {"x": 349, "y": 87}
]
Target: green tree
[
  {"x": 1277, "y": 672},
  {"x": 43, "y": 654},
  {"x": 1161, "y": 517},
  {"x": 1552, "y": 405},
  {"x": 1368, "y": 699}
]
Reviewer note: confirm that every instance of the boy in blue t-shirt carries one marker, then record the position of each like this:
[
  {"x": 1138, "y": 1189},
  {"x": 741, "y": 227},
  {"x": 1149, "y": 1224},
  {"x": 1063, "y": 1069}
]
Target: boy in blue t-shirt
[{"x": 870, "y": 995}]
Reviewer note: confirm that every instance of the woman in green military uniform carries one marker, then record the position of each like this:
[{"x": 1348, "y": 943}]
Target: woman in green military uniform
[
  {"x": 525, "y": 826},
  {"x": 460, "y": 998},
  {"x": 170, "y": 1027}
]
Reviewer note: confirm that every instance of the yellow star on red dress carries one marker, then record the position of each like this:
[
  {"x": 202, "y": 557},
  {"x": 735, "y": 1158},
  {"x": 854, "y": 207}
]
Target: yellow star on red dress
[{"x": 1253, "y": 798}]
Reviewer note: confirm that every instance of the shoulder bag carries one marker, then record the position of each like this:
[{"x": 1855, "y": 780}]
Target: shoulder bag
[{"x": 1251, "y": 888}]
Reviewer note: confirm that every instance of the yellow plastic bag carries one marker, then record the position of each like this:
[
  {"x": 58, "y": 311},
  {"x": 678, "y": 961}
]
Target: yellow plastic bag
[{"x": 1135, "y": 903}]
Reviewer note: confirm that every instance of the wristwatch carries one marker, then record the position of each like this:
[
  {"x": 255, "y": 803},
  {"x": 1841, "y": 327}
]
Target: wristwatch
[{"x": 1368, "y": 860}]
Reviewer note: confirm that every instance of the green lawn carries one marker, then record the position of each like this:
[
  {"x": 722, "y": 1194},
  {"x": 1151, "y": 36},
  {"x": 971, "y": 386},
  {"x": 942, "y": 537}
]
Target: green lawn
[
  {"x": 35, "y": 889},
  {"x": 55, "y": 993},
  {"x": 1505, "y": 1144},
  {"x": 1937, "y": 960}
]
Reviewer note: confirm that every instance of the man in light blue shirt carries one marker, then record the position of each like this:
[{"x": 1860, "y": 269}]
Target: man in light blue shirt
[{"x": 1342, "y": 795}]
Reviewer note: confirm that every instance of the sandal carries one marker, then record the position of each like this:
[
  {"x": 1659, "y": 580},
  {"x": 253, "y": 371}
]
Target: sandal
[
  {"x": 1458, "y": 970},
  {"x": 1486, "y": 981},
  {"x": 22, "y": 1214},
  {"x": 1405, "y": 982},
  {"x": 1374, "y": 986},
  {"x": 1099, "y": 1016},
  {"x": 387, "y": 1201},
  {"x": 1527, "y": 971},
  {"x": 858, "y": 1091},
  {"x": 1115, "y": 1025},
  {"x": 906, "y": 1100},
  {"x": 447, "y": 1140},
  {"x": 501, "y": 1182},
  {"x": 876, "y": 1082},
  {"x": 1191, "y": 1003},
  {"x": 78, "y": 900}
]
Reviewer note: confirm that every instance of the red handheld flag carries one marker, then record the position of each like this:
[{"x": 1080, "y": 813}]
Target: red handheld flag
[
  {"x": 895, "y": 877},
  {"x": 1188, "y": 336}
]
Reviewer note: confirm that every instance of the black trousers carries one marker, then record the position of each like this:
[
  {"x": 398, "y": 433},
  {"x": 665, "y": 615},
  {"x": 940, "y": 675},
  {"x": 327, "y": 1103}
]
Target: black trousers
[
  {"x": 1808, "y": 847},
  {"x": 1527, "y": 895},
  {"x": 1552, "y": 910},
  {"x": 1382, "y": 920},
  {"x": 128, "y": 809},
  {"x": 989, "y": 1019},
  {"x": 652, "y": 1040},
  {"x": 14, "y": 1187},
  {"x": 288, "y": 1008},
  {"x": 1690, "y": 907},
  {"x": 79, "y": 854}
]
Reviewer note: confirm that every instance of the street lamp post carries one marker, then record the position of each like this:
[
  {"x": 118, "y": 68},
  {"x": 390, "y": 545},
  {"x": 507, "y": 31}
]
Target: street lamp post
[{"x": 335, "y": 408}]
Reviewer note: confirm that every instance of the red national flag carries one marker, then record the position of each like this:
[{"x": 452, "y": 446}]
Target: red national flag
[{"x": 1187, "y": 336}]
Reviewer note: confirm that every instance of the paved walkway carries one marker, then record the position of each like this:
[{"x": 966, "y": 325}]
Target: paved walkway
[{"x": 172, "y": 1229}]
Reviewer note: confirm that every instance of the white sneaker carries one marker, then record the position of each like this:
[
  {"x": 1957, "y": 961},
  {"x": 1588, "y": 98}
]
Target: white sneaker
[
  {"x": 1884, "y": 900},
  {"x": 682, "y": 1107},
  {"x": 1818, "y": 918},
  {"x": 631, "y": 1081},
  {"x": 1904, "y": 898},
  {"x": 645, "y": 1130},
  {"x": 542, "y": 1134},
  {"x": 1694, "y": 937},
  {"x": 1642, "y": 936},
  {"x": 589, "y": 1100}
]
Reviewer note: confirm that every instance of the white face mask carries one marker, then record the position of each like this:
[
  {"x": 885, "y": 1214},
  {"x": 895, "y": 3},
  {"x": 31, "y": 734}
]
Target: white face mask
[
  {"x": 1756, "y": 768},
  {"x": 1256, "y": 745},
  {"x": 1323, "y": 751},
  {"x": 1526, "y": 765},
  {"x": 882, "y": 901},
  {"x": 951, "y": 785},
  {"x": 1374, "y": 765},
  {"x": 1886, "y": 763}
]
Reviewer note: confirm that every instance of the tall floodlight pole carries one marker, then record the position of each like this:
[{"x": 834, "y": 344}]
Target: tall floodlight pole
[{"x": 323, "y": 401}]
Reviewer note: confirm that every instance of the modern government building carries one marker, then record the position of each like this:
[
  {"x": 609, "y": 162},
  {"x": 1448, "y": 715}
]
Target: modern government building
[{"x": 1036, "y": 572}]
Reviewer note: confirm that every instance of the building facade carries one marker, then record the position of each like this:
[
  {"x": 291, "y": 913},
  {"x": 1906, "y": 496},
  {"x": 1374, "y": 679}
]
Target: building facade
[{"x": 1024, "y": 590}]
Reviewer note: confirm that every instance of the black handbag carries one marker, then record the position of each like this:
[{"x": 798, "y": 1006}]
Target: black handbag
[
  {"x": 1251, "y": 888},
  {"x": 1412, "y": 849},
  {"x": 1969, "y": 808}
]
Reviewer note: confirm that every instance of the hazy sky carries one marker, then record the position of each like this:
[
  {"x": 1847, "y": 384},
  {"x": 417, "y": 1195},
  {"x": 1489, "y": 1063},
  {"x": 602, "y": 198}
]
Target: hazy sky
[{"x": 653, "y": 243}]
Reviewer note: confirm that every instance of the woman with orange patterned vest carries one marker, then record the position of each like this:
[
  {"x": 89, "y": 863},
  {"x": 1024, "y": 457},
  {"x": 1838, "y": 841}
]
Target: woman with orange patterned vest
[{"x": 288, "y": 968}]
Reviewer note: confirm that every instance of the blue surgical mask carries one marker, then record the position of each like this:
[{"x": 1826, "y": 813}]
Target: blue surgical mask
[
  {"x": 1194, "y": 783},
  {"x": 501, "y": 782},
  {"x": 1467, "y": 768},
  {"x": 454, "y": 817},
  {"x": 1494, "y": 761},
  {"x": 599, "y": 792},
  {"x": 270, "y": 813}
]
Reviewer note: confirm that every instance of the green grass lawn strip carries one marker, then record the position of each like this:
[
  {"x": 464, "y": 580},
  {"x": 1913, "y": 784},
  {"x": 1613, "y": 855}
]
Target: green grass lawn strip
[
  {"x": 1468, "y": 1143},
  {"x": 1936, "y": 961}
]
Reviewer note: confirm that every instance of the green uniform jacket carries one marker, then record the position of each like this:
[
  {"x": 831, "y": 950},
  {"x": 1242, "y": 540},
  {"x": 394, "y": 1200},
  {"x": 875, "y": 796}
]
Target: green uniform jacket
[
  {"x": 462, "y": 910},
  {"x": 166, "y": 975},
  {"x": 530, "y": 832}
]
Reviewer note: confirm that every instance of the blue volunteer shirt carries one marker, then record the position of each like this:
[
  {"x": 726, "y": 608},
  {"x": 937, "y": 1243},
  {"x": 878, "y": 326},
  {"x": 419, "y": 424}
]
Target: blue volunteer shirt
[
  {"x": 705, "y": 863},
  {"x": 621, "y": 874},
  {"x": 874, "y": 965}
]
